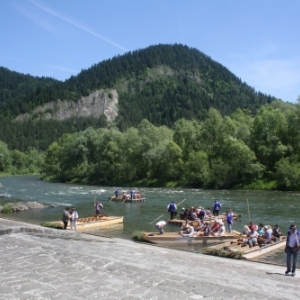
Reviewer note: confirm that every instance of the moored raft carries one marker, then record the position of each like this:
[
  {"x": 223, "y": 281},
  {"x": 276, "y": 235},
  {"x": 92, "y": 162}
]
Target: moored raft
[
  {"x": 177, "y": 238},
  {"x": 97, "y": 221},
  {"x": 251, "y": 252},
  {"x": 94, "y": 222}
]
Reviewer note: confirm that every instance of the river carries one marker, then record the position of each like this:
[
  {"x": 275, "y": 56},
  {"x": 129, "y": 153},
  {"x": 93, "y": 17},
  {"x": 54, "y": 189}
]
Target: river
[{"x": 267, "y": 207}]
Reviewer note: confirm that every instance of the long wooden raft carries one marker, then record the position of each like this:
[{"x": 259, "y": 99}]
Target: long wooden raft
[
  {"x": 177, "y": 238},
  {"x": 253, "y": 252},
  {"x": 95, "y": 222}
]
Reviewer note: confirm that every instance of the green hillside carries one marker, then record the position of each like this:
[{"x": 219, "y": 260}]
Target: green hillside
[{"x": 161, "y": 83}]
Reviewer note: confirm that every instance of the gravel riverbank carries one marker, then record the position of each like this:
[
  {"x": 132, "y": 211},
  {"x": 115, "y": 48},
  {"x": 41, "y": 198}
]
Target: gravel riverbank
[{"x": 42, "y": 263}]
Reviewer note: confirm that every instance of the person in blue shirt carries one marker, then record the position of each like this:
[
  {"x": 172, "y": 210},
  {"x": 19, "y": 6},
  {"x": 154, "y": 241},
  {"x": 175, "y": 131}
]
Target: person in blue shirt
[
  {"x": 116, "y": 193},
  {"x": 229, "y": 220},
  {"x": 216, "y": 208},
  {"x": 291, "y": 249},
  {"x": 172, "y": 209}
]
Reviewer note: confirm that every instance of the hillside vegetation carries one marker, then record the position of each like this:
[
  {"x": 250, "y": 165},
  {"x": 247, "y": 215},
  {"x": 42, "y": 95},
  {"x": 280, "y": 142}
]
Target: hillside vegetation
[{"x": 161, "y": 83}]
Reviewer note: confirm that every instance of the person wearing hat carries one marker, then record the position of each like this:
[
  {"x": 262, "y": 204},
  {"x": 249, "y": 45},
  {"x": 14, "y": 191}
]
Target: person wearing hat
[
  {"x": 188, "y": 231},
  {"x": 172, "y": 209},
  {"x": 183, "y": 214},
  {"x": 73, "y": 220},
  {"x": 291, "y": 249}
]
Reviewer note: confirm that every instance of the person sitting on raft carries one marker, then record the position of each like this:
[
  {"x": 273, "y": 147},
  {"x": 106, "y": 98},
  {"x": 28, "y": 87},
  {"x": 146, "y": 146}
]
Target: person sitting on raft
[
  {"x": 193, "y": 215},
  {"x": 205, "y": 230},
  {"x": 221, "y": 230},
  {"x": 260, "y": 230},
  {"x": 215, "y": 227},
  {"x": 253, "y": 226},
  {"x": 183, "y": 214},
  {"x": 266, "y": 238},
  {"x": 202, "y": 214},
  {"x": 187, "y": 231},
  {"x": 208, "y": 213},
  {"x": 252, "y": 241},
  {"x": 277, "y": 232}
]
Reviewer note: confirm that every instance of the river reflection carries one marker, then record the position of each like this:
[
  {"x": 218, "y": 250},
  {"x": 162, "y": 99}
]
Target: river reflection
[{"x": 265, "y": 207}]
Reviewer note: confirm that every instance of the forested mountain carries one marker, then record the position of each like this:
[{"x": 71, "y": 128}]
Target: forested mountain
[{"x": 161, "y": 83}]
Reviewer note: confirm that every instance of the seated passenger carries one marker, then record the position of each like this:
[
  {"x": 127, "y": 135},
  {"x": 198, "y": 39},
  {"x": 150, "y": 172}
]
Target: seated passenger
[
  {"x": 253, "y": 226},
  {"x": 252, "y": 241},
  {"x": 187, "y": 231},
  {"x": 266, "y": 238},
  {"x": 183, "y": 214},
  {"x": 194, "y": 217},
  {"x": 277, "y": 232},
  {"x": 208, "y": 213},
  {"x": 221, "y": 230},
  {"x": 260, "y": 230},
  {"x": 246, "y": 229},
  {"x": 215, "y": 227},
  {"x": 202, "y": 214}
]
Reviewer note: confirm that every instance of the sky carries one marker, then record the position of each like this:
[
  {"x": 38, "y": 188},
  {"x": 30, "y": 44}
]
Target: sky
[{"x": 257, "y": 40}]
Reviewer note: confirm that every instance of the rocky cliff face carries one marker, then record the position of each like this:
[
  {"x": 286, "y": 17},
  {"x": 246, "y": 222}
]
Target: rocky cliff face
[{"x": 100, "y": 102}]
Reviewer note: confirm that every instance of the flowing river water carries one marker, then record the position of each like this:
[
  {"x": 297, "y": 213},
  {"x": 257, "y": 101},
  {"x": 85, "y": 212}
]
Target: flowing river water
[{"x": 267, "y": 207}]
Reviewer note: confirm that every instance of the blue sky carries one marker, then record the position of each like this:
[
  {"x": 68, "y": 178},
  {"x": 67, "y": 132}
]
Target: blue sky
[{"x": 257, "y": 40}]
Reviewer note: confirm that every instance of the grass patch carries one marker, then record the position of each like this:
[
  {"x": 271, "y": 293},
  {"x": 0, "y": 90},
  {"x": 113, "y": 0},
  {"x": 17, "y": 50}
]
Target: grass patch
[
  {"x": 137, "y": 235},
  {"x": 223, "y": 253},
  {"x": 7, "y": 209},
  {"x": 52, "y": 225}
]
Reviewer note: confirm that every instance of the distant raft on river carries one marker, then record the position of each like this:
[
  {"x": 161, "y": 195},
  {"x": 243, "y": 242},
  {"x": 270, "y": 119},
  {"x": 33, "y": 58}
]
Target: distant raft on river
[{"x": 127, "y": 197}]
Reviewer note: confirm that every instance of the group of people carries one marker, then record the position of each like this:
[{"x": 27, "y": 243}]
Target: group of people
[
  {"x": 70, "y": 214},
  {"x": 260, "y": 234},
  {"x": 201, "y": 229},
  {"x": 193, "y": 213},
  {"x": 132, "y": 194}
]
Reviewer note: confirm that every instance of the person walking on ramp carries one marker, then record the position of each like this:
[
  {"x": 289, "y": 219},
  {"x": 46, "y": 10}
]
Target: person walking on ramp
[{"x": 291, "y": 249}]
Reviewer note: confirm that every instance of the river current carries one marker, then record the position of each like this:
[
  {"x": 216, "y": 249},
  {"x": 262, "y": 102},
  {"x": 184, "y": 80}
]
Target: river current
[{"x": 267, "y": 207}]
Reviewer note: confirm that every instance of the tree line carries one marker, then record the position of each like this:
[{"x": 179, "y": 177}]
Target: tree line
[{"x": 236, "y": 151}]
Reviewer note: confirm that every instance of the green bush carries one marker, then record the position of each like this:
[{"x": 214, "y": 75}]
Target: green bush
[{"x": 7, "y": 209}]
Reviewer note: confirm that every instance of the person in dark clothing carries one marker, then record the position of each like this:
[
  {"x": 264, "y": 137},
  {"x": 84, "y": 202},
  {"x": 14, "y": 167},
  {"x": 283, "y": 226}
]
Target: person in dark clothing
[
  {"x": 216, "y": 208},
  {"x": 291, "y": 249},
  {"x": 172, "y": 209},
  {"x": 66, "y": 217}
]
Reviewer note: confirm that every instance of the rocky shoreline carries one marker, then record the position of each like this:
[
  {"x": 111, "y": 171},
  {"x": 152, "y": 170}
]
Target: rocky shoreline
[{"x": 23, "y": 206}]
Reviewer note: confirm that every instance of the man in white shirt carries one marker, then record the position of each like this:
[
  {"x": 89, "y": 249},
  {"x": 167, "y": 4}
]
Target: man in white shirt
[
  {"x": 160, "y": 226},
  {"x": 73, "y": 219}
]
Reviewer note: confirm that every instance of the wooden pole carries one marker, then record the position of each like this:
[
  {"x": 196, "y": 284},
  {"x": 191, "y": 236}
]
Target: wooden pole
[
  {"x": 181, "y": 202},
  {"x": 157, "y": 218},
  {"x": 248, "y": 210}
]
